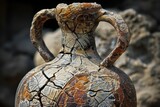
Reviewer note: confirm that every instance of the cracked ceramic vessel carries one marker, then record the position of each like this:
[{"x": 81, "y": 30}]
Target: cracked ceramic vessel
[{"x": 77, "y": 76}]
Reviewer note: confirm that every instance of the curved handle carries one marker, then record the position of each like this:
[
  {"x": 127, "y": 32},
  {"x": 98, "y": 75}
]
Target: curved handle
[
  {"x": 36, "y": 32},
  {"x": 123, "y": 36}
]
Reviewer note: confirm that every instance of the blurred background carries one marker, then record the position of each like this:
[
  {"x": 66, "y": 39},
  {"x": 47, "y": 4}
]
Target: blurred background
[{"x": 17, "y": 52}]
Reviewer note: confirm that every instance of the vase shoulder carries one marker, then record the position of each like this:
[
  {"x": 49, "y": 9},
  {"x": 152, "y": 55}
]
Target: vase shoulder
[{"x": 69, "y": 82}]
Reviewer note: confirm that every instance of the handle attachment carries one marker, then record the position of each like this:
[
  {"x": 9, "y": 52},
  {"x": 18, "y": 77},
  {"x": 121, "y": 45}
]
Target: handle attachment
[
  {"x": 123, "y": 36},
  {"x": 36, "y": 32},
  {"x": 114, "y": 19}
]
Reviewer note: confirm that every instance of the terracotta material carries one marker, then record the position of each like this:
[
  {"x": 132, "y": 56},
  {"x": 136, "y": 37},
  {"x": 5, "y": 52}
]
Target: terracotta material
[{"x": 77, "y": 76}]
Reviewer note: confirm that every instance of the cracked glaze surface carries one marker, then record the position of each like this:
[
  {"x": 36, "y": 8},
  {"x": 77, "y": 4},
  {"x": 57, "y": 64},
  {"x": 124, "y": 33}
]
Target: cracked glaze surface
[{"x": 76, "y": 77}]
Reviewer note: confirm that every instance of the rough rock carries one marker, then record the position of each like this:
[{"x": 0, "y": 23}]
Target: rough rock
[
  {"x": 141, "y": 59},
  {"x": 22, "y": 44},
  {"x": 12, "y": 71},
  {"x": 5, "y": 92},
  {"x": 18, "y": 65},
  {"x": 150, "y": 7},
  {"x": 15, "y": 61}
]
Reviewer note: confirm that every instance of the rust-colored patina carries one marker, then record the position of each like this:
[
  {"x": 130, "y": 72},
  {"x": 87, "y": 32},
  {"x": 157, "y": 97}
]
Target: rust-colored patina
[{"x": 77, "y": 77}]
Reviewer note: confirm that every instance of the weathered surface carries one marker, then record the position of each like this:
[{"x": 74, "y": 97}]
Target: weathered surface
[
  {"x": 141, "y": 60},
  {"x": 75, "y": 83},
  {"x": 77, "y": 76},
  {"x": 143, "y": 65}
]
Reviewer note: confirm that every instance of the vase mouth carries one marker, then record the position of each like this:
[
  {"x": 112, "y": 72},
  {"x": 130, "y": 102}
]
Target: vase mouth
[
  {"x": 73, "y": 10},
  {"x": 78, "y": 17}
]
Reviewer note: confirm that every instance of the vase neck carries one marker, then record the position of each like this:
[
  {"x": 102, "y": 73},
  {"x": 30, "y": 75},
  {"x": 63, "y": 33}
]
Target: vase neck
[
  {"x": 80, "y": 44},
  {"x": 78, "y": 22}
]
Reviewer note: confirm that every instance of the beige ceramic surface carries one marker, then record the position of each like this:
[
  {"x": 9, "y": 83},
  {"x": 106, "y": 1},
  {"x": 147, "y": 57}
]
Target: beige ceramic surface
[{"x": 77, "y": 77}]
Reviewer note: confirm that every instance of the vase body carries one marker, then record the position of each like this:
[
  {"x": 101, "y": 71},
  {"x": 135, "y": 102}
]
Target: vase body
[
  {"x": 79, "y": 83},
  {"x": 75, "y": 78}
]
